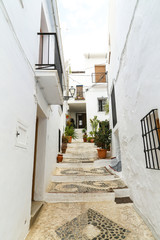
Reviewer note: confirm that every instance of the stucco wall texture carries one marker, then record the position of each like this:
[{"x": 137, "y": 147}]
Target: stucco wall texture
[{"x": 134, "y": 70}]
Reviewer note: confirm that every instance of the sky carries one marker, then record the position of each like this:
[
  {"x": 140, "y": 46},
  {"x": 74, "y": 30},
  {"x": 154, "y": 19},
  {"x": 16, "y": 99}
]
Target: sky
[{"x": 84, "y": 29}]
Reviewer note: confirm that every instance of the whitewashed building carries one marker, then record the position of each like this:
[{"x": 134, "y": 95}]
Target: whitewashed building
[
  {"x": 32, "y": 82},
  {"x": 134, "y": 83},
  {"x": 90, "y": 96}
]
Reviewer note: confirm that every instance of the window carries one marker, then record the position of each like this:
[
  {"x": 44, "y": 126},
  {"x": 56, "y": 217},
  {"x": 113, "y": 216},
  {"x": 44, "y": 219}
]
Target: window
[
  {"x": 151, "y": 139},
  {"x": 113, "y": 102},
  {"x": 101, "y": 104},
  {"x": 100, "y": 75},
  {"x": 79, "y": 90}
]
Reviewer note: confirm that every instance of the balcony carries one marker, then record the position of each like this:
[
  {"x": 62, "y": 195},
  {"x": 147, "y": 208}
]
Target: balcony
[{"x": 49, "y": 68}]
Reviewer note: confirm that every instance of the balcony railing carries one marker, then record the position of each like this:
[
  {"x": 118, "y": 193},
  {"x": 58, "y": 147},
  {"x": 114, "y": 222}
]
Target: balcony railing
[
  {"x": 99, "y": 77},
  {"x": 49, "y": 55}
]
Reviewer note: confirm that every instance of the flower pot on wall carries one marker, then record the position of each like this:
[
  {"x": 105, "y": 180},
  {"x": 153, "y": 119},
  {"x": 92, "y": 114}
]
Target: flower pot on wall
[
  {"x": 102, "y": 153},
  {"x": 59, "y": 158}
]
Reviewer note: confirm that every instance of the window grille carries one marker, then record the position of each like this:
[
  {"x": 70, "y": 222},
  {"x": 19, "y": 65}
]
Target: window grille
[
  {"x": 151, "y": 139},
  {"x": 101, "y": 104},
  {"x": 113, "y": 102}
]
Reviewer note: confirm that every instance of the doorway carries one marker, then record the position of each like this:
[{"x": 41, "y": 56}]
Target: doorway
[
  {"x": 39, "y": 156},
  {"x": 81, "y": 120},
  {"x": 35, "y": 157}
]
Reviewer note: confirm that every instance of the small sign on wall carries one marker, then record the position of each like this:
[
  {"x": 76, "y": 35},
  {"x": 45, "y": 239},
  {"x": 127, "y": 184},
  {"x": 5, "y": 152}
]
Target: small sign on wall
[{"x": 21, "y": 135}]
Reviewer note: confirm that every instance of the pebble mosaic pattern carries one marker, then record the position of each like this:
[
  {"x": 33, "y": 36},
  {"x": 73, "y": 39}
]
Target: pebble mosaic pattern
[
  {"x": 103, "y": 228},
  {"x": 81, "y": 171},
  {"x": 86, "y": 187}
]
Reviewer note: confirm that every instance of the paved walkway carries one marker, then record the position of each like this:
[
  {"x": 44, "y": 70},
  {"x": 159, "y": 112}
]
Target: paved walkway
[{"x": 81, "y": 202}]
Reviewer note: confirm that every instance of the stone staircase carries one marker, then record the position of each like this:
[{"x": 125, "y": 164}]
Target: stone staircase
[
  {"x": 79, "y": 135},
  {"x": 81, "y": 177}
]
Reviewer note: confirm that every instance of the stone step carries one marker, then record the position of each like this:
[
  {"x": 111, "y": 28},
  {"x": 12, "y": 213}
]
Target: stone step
[
  {"x": 79, "y": 197},
  {"x": 86, "y": 186},
  {"x": 35, "y": 210},
  {"x": 82, "y": 178},
  {"x": 74, "y": 165}
]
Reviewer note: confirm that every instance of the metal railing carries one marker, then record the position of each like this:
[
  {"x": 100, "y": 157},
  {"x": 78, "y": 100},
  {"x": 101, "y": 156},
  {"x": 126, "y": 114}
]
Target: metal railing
[
  {"x": 99, "y": 77},
  {"x": 49, "y": 54},
  {"x": 151, "y": 139}
]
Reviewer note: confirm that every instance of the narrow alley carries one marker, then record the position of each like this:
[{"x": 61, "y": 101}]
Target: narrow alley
[{"x": 84, "y": 201}]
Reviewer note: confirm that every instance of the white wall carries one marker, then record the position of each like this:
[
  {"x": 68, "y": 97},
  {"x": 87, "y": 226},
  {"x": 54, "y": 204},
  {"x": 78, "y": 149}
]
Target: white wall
[
  {"x": 19, "y": 96},
  {"x": 91, "y": 90},
  {"x": 92, "y": 104},
  {"x": 135, "y": 33}
]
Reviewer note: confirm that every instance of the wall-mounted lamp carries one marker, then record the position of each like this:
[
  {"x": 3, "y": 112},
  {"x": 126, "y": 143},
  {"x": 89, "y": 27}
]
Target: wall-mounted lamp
[{"x": 72, "y": 92}]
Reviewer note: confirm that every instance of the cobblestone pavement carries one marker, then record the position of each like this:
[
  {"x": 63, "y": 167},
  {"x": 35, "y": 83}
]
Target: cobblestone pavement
[
  {"x": 81, "y": 171},
  {"x": 86, "y": 221},
  {"x": 87, "y": 186}
]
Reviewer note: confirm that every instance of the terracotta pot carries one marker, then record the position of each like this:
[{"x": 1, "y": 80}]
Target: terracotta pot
[
  {"x": 102, "y": 153},
  {"x": 84, "y": 139},
  {"x": 59, "y": 158},
  {"x": 69, "y": 139},
  {"x": 92, "y": 140},
  {"x": 63, "y": 150},
  {"x": 64, "y": 145}
]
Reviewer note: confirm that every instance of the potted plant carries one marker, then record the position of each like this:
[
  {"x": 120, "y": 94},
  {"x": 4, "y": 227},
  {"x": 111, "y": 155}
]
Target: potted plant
[
  {"x": 103, "y": 139},
  {"x": 64, "y": 143},
  {"x": 59, "y": 158},
  {"x": 84, "y": 131},
  {"x": 89, "y": 139},
  {"x": 70, "y": 133},
  {"x": 92, "y": 136},
  {"x": 94, "y": 124}
]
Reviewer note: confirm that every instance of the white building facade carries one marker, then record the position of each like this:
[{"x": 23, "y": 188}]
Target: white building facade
[
  {"x": 90, "y": 91},
  {"x": 134, "y": 92},
  {"x": 32, "y": 108}
]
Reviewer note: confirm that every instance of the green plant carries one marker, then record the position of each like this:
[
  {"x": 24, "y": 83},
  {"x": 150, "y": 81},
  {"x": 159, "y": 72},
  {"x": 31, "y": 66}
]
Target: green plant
[
  {"x": 70, "y": 131},
  {"x": 64, "y": 139},
  {"x": 92, "y": 134},
  {"x": 106, "y": 107},
  {"x": 103, "y": 136},
  {"x": 84, "y": 130},
  {"x": 94, "y": 124},
  {"x": 89, "y": 139}
]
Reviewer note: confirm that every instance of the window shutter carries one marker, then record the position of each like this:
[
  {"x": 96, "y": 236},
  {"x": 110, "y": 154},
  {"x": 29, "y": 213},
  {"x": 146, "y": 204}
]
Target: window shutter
[{"x": 100, "y": 74}]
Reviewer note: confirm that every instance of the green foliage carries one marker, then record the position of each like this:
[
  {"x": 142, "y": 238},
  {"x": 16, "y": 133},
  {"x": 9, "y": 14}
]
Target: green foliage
[
  {"x": 94, "y": 124},
  {"x": 89, "y": 139},
  {"x": 84, "y": 130},
  {"x": 64, "y": 139},
  {"x": 103, "y": 136},
  {"x": 106, "y": 107},
  {"x": 70, "y": 131},
  {"x": 92, "y": 134},
  {"x": 84, "y": 135}
]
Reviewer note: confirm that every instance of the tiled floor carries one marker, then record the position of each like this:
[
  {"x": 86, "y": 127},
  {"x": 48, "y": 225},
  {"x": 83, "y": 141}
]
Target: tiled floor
[{"x": 89, "y": 221}]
